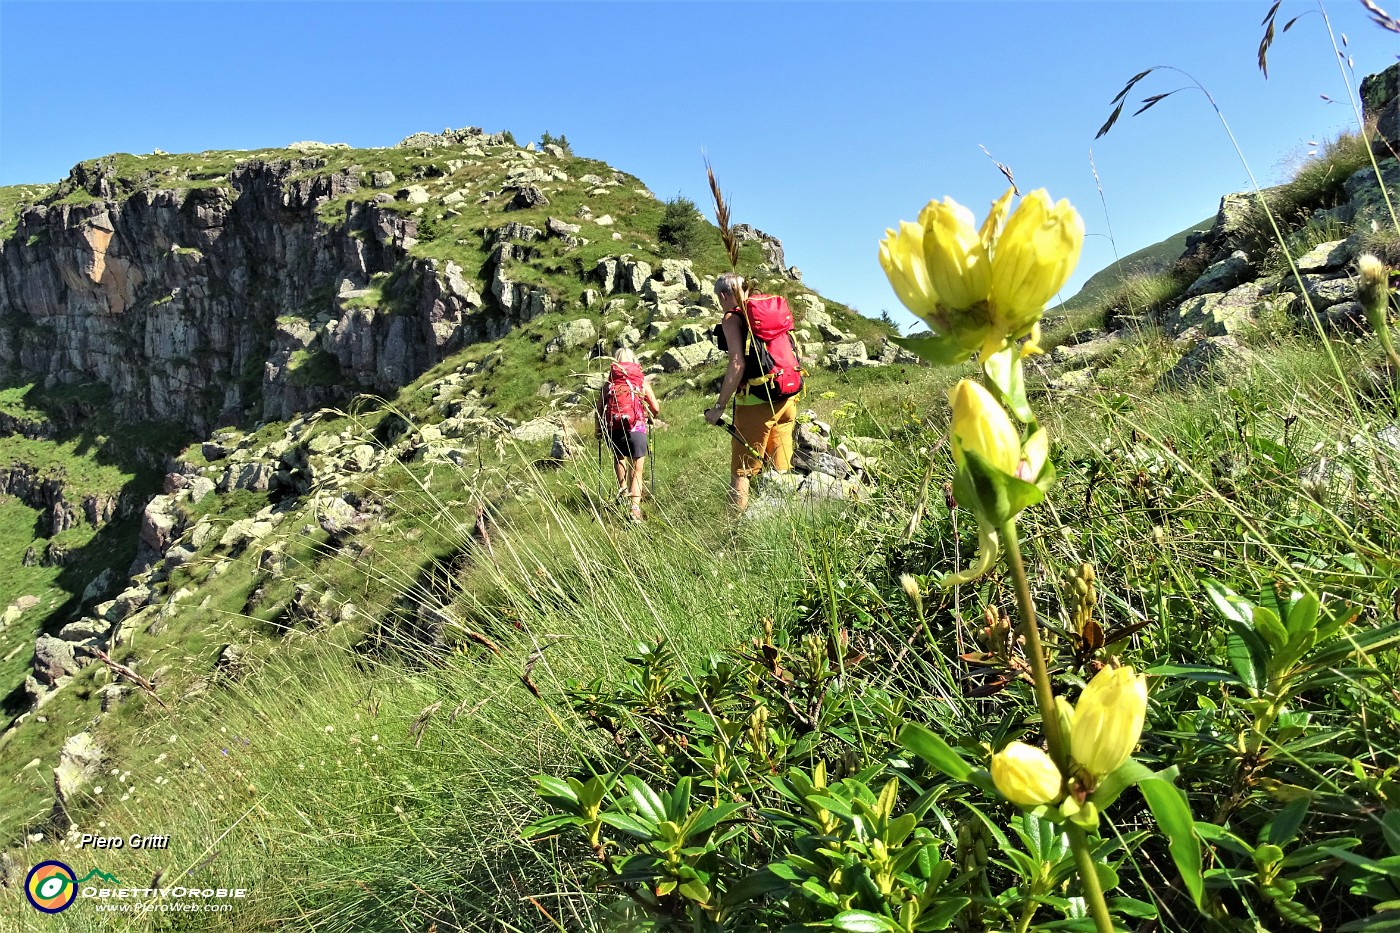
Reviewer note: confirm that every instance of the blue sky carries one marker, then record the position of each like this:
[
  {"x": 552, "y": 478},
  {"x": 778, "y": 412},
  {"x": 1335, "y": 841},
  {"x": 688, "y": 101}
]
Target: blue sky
[{"x": 826, "y": 122}]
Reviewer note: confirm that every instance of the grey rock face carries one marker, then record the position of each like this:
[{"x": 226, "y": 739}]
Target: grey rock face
[
  {"x": 533, "y": 432},
  {"x": 819, "y": 462},
  {"x": 1380, "y": 96},
  {"x": 1218, "y": 314},
  {"x": 566, "y": 444},
  {"x": 170, "y": 291},
  {"x": 526, "y": 197},
  {"x": 680, "y": 359},
  {"x": 847, "y": 355},
  {"x": 1325, "y": 256},
  {"x": 54, "y": 660},
  {"x": 1222, "y": 276},
  {"x": 772, "y": 247},
  {"x": 811, "y": 311},
  {"x": 1212, "y": 358},
  {"x": 518, "y": 232},
  {"x": 78, "y": 766},
  {"x": 688, "y": 334},
  {"x": 559, "y": 228},
  {"x": 577, "y": 333},
  {"x": 1322, "y": 292},
  {"x": 1365, "y": 199}
]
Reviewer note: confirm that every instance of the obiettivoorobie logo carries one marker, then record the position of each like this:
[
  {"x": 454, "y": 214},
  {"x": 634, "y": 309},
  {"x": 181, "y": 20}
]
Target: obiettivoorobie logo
[{"x": 52, "y": 886}]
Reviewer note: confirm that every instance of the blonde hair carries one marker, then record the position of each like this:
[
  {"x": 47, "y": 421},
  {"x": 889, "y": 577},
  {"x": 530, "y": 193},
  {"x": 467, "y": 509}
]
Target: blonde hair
[
  {"x": 732, "y": 283},
  {"x": 624, "y": 354}
]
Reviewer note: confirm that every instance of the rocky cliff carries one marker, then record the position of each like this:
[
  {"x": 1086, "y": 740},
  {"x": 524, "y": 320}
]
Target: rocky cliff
[{"x": 230, "y": 287}]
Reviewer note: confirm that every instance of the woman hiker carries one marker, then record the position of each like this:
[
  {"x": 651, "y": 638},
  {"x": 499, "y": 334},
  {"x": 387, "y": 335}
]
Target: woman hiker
[
  {"x": 764, "y": 414},
  {"x": 625, "y": 407}
]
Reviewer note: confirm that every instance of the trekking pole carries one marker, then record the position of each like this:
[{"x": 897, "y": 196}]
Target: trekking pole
[
  {"x": 651, "y": 425},
  {"x": 734, "y": 433}
]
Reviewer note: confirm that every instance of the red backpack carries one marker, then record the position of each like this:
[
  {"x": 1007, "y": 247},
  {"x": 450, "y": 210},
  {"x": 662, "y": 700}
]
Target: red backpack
[
  {"x": 623, "y": 395},
  {"x": 772, "y": 348}
]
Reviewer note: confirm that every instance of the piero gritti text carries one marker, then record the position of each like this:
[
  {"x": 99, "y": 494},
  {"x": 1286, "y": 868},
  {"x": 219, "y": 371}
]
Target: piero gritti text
[{"x": 134, "y": 841}]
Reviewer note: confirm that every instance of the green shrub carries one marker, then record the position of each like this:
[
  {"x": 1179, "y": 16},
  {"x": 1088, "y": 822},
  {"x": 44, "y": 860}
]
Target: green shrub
[
  {"x": 680, "y": 228},
  {"x": 1317, "y": 184},
  {"x": 549, "y": 139}
]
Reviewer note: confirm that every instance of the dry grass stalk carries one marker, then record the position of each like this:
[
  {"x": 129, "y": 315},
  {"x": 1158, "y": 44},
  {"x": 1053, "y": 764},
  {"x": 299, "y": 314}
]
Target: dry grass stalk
[
  {"x": 1004, "y": 169},
  {"x": 122, "y": 670},
  {"x": 731, "y": 245},
  {"x": 1381, "y": 17}
]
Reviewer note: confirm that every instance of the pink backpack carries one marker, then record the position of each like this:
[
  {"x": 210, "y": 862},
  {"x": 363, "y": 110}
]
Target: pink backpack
[
  {"x": 623, "y": 395},
  {"x": 770, "y": 327}
]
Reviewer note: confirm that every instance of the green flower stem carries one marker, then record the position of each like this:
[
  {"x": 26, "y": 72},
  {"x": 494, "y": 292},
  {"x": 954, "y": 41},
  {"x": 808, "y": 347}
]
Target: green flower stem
[
  {"x": 1028, "y": 909},
  {"x": 1040, "y": 675},
  {"x": 1089, "y": 877},
  {"x": 1050, "y": 722},
  {"x": 1384, "y": 333}
]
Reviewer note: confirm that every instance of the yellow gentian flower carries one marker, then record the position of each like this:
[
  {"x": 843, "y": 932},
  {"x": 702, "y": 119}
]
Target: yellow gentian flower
[
  {"x": 1026, "y": 776},
  {"x": 902, "y": 258},
  {"x": 982, "y": 288},
  {"x": 954, "y": 255},
  {"x": 1031, "y": 260},
  {"x": 981, "y": 425},
  {"x": 1108, "y": 720}
]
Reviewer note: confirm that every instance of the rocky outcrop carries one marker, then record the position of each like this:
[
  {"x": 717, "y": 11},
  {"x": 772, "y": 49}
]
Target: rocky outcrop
[
  {"x": 50, "y": 495},
  {"x": 466, "y": 136},
  {"x": 194, "y": 304},
  {"x": 773, "y": 259}
]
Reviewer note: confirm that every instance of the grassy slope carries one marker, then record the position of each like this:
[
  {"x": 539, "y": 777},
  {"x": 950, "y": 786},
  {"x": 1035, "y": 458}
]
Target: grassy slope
[
  {"x": 308, "y": 782},
  {"x": 1153, "y": 258},
  {"x": 335, "y": 798},
  {"x": 92, "y": 463}
]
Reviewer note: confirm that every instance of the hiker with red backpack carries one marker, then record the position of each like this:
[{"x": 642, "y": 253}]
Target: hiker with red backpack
[
  {"x": 625, "y": 407},
  {"x": 763, "y": 379}
]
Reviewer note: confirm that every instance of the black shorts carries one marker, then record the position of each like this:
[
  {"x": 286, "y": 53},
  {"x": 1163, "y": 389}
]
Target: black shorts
[{"x": 624, "y": 443}]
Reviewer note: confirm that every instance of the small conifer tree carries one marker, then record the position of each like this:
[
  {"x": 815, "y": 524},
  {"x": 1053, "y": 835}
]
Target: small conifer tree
[{"x": 680, "y": 228}]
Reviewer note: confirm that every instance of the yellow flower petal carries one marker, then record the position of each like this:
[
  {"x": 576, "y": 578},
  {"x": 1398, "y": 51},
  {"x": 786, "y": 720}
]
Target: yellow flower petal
[
  {"x": 988, "y": 549},
  {"x": 1108, "y": 720},
  {"x": 1026, "y": 776},
  {"x": 954, "y": 254},
  {"x": 902, "y": 258},
  {"x": 1032, "y": 259},
  {"x": 1033, "y": 456},
  {"x": 980, "y": 424},
  {"x": 996, "y": 219}
]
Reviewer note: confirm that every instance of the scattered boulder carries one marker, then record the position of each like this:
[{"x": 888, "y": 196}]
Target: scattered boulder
[
  {"x": 847, "y": 355},
  {"x": 566, "y": 444},
  {"x": 55, "y": 660},
  {"x": 572, "y": 334},
  {"x": 683, "y": 358},
  {"x": 561, "y": 229},
  {"x": 526, "y": 197},
  {"x": 1211, "y": 359},
  {"x": 534, "y": 432},
  {"x": 231, "y": 662},
  {"x": 78, "y": 764},
  {"x": 89, "y": 629},
  {"x": 244, "y": 532},
  {"x": 1218, "y": 314},
  {"x": 111, "y": 695},
  {"x": 1325, "y": 256},
  {"x": 1222, "y": 276}
]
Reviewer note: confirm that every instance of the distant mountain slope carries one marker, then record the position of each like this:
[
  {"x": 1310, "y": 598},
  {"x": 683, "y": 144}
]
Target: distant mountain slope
[{"x": 1152, "y": 258}]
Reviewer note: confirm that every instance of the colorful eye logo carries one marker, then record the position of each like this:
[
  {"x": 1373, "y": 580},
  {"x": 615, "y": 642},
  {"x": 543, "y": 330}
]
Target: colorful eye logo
[{"x": 50, "y": 887}]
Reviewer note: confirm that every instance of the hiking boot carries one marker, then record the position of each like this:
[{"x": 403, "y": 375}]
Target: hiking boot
[{"x": 636, "y": 513}]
